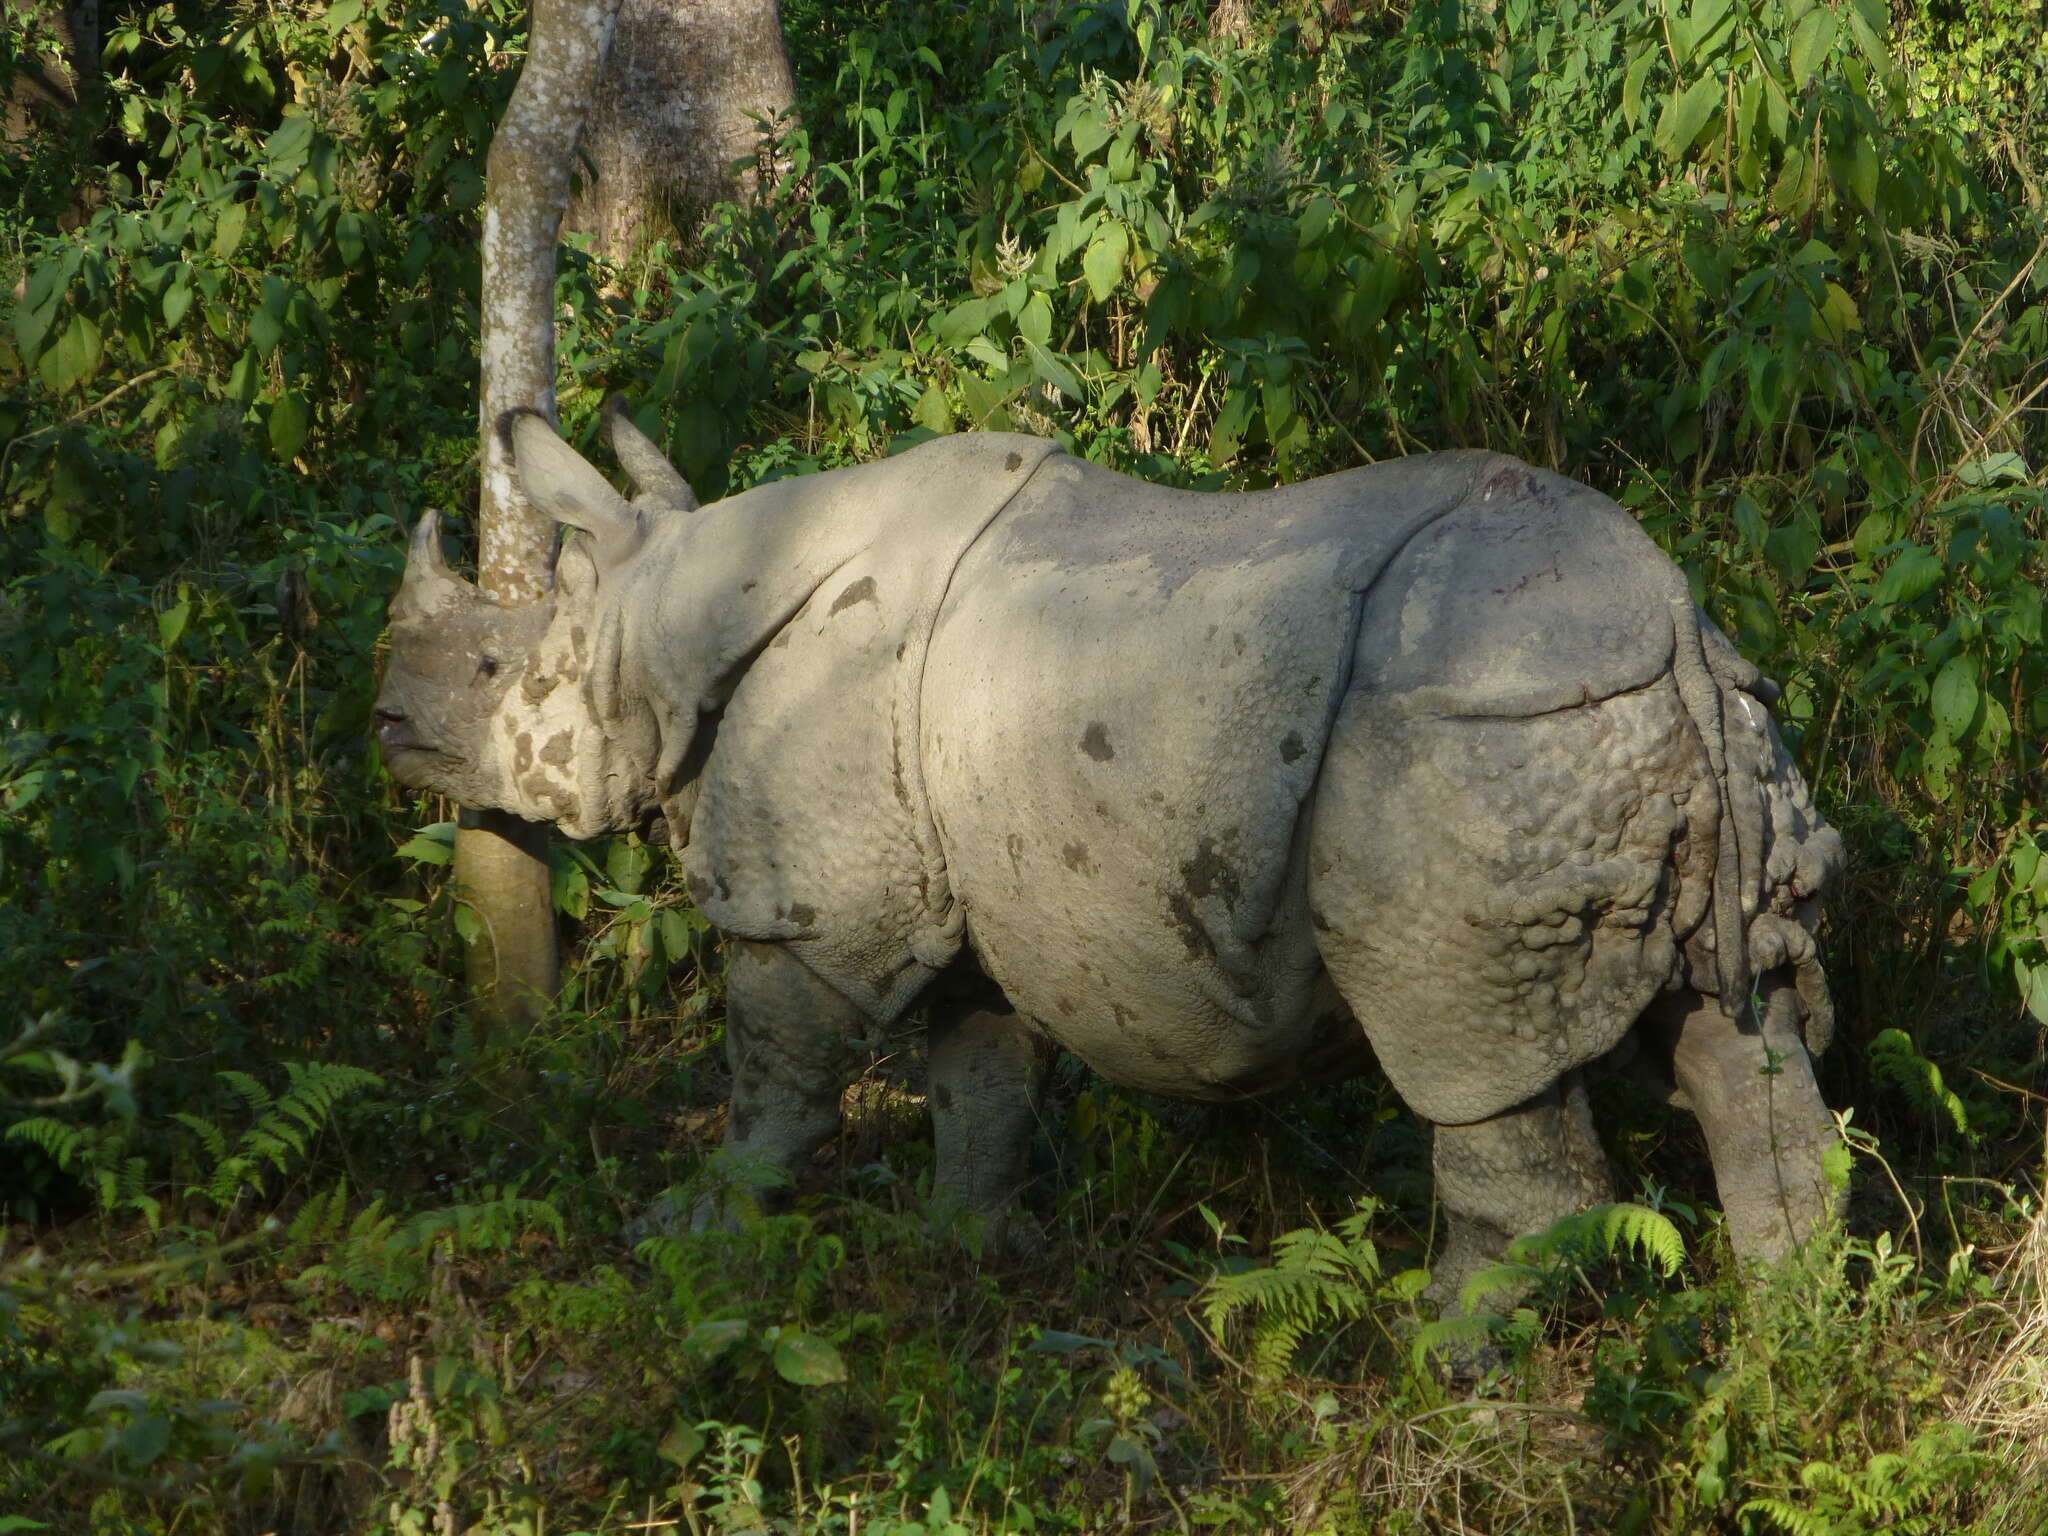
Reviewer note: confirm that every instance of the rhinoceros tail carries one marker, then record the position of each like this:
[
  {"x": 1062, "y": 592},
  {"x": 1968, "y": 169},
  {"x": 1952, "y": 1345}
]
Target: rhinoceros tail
[{"x": 1699, "y": 690}]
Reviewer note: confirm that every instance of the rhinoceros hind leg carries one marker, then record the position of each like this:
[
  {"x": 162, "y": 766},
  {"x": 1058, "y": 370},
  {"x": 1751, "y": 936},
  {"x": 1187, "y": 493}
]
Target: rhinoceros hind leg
[
  {"x": 1517, "y": 1172},
  {"x": 789, "y": 1042},
  {"x": 988, "y": 1070},
  {"x": 1767, "y": 1127}
]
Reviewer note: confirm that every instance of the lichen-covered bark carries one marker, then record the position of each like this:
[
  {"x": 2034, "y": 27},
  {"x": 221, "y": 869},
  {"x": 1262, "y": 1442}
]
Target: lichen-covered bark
[
  {"x": 682, "y": 88},
  {"x": 501, "y": 865}
]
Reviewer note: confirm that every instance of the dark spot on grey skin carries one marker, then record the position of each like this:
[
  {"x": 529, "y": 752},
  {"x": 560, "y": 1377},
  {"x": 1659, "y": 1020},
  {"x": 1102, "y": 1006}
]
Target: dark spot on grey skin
[
  {"x": 699, "y": 888},
  {"x": 902, "y": 784},
  {"x": 724, "y": 890},
  {"x": 1291, "y": 747},
  {"x": 862, "y": 591},
  {"x": 536, "y": 688},
  {"x": 1075, "y": 857},
  {"x": 1237, "y": 643},
  {"x": 1121, "y": 1014},
  {"x": 1207, "y": 874},
  {"x": 1095, "y": 742},
  {"x": 802, "y": 915},
  {"x": 1065, "y": 1006},
  {"x": 1320, "y": 923},
  {"x": 1102, "y": 810},
  {"x": 556, "y": 753},
  {"x": 1012, "y": 461},
  {"x": 779, "y": 641},
  {"x": 1015, "y": 843},
  {"x": 1187, "y": 924},
  {"x": 901, "y": 648},
  {"x": 942, "y": 1096},
  {"x": 748, "y": 586}
]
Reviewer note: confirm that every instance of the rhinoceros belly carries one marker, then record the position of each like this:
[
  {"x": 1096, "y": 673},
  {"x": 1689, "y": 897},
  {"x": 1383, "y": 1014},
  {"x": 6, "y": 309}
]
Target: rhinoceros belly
[{"x": 1125, "y": 703}]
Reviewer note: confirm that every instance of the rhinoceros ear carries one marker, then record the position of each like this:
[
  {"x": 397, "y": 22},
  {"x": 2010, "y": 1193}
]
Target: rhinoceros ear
[
  {"x": 429, "y": 584},
  {"x": 660, "y": 484},
  {"x": 567, "y": 487}
]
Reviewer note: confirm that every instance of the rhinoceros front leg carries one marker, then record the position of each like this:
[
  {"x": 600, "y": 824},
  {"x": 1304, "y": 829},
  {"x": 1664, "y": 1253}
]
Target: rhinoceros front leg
[
  {"x": 988, "y": 1071},
  {"x": 789, "y": 1042},
  {"x": 1767, "y": 1127},
  {"x": 1517, "y": 1172}
]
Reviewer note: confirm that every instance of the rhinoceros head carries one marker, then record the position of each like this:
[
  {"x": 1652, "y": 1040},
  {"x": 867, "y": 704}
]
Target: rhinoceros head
[{"x": 514, "y": 707}]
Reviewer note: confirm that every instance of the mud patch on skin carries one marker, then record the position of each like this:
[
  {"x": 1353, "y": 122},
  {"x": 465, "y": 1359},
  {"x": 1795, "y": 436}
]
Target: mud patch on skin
[
  {"x": 800, "y": 913},
  {"x": 1291, "y": 747},
  {"x": 1095, "y": 742},
  {"x": 862, "y": 591},
  {"x": 1208, "y": 873},
  {"x": 522, "y": 754},
  {"x": 556, "y": 754},
  {"x": 535, "y": 689},
  {"x": 1187, "y": 924},
  {"x": 1075, "y": 857},
  {"x": 1012, "y": 461}
]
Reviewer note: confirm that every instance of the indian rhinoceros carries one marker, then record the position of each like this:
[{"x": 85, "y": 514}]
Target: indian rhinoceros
[{"x": 1212, "y": 790}]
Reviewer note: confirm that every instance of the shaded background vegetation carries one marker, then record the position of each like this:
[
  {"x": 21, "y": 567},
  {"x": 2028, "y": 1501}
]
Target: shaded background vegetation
[{"x": 1768, "y": 271}]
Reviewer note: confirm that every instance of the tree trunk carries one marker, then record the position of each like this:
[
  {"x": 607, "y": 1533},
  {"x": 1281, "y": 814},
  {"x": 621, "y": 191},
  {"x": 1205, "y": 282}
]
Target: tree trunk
[
  {"x": 501, "y": 862},
  {"x": 51, "y": 81},
  {"x": 681, "y": 92}
]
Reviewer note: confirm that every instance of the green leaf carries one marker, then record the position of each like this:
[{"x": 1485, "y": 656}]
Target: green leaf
[
  {"x": 1103, "y": 265},
  {"x": 1088, "y": 134},
  {"x": 1034, "y": 320},
  {"x": 1869, "y": 38},
  {"x": 286, "y": 148},
  {"x": 1912, "y": 574},
  {"x": 1632, "y": 84},
  {"x": 266, "y": 326},
  {"x": 171, "y": 623},
  {"x": 1812, "y": 40},
  {"x": 711, "y": 1339},
  {"x": 469, "y": 927},
  {"x": 932, "y": 410},
  {"x": 1684, "y": 116},
  {"x": 342, "y": 14},
  {"x": 351, "y": 232},
  {"x": 806, "y": 1360},
  {"x": 963, "y": 320},
  {"x": 147, "y": 1437},
  {"x": 227, "y": 230},
  {"x": 74, "y": 359},
  {"x": 1953, "y": 697},
  {"x": 178, "y": 297},
  {"x": 290, "y": 417},
  {"x": 1053, "y": 371}
]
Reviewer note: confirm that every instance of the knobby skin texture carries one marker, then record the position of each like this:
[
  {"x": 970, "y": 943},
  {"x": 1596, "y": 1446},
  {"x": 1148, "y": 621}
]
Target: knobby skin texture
[{"x": 1433, "y": 761}]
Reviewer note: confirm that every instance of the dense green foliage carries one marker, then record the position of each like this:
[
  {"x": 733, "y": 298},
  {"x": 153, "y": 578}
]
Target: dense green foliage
[{"x": 301, "y": 1253}]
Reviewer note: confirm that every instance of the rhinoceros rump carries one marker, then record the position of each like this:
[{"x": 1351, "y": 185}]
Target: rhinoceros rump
[{"x": 1212, "y": 790}]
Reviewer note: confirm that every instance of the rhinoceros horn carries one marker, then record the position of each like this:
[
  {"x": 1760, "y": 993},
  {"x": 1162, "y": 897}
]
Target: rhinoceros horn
[
  {"x": 660, "y": 484},
  {"x": 562, "y": 483},
  {"x": 429, "y": 584}
]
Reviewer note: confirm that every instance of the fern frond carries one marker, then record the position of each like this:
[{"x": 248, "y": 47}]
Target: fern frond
[
  {"x": 1895, "y": 1056},
  {"x": 61, "y": 1142}
]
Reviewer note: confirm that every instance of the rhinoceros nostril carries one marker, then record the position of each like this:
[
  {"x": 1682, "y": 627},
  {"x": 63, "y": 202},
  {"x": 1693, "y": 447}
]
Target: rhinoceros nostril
[{"x": 386, "y": 715}]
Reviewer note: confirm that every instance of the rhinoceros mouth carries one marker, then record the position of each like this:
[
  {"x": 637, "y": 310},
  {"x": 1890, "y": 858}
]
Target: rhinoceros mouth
[{"x": 394, "y": 740}]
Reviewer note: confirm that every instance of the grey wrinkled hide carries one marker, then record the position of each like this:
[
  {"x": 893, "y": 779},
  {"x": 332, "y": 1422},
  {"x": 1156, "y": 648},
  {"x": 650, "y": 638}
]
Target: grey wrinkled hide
[{"x": 1212, "y": 790}]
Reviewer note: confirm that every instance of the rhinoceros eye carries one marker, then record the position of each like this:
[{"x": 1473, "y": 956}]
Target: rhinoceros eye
[{"x": 487, "y": 666}]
